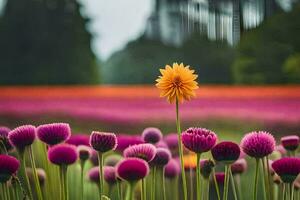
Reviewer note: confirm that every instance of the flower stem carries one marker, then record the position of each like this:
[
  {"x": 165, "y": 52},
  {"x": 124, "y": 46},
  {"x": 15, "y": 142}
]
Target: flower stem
[
  {"x": 226, "y": 183},
  {"x": 239, "y": 187},
  {"x": 271, "y": 186},
  {"x": 255, "y": 180},
  {"x": 119, "y": 186},
  {"x": 233, "y": 185},
  {"x": 216, "y": 184},
  {"x": 292, "y": 191},
  {"x": 164, "y": 184},
  {"x": 130, "y": 189},
  {"x": 3, "y": 148},
  {"x": 180, "y": 151},
  {"x": 100, "y": 159},
  {"x": 198, "y": 177},
  {"x": 283, "y": 191},
  {"x": 82, "y": 164},
  {"x": 35, "y": 176},
  {"x": 153, "y": 186},
  {"x": 266, "y": 180},
  {"x": 24, "y": 175}
]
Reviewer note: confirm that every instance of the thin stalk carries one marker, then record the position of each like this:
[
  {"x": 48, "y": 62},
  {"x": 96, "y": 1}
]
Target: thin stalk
[
  {"x": 284, "y": 191},
  {"x": 226, "y": 183},
  {"x": 266, "y": 181},
  {"x": 255, "y": 180},
  {"x": 6, "y": 191},
  {"x": 176, "y": 188},
  {"x": 66, "y": 182},
  {"x": 129, "y": 193},
  {"x": 24, "y": 174},
  {"x": 271, "y": 186},
  {"x": 153, "y": 192},
  {"x": 164, "y": 184},
  {"x": 237, "y": 180},
  {"x": 3, "y": 191},
  {"x": 143, "y": 196},
  {"x": 198, "y": 176},
  {"x": 233, "y": 185},
  {"x": 180, "y": 151},
  {"x": 119, "y": 190},
  {"x": 35, "y": 176},
  {"x": 292, "y": 191},
  {"x": 100, "y": 159},
  {"x": 82, "y": 164},
  {"x": 216, "y": 184},
  {"x": 3, "y": 147},
  {"x": 62, "y": 183},
  {"x": 191, "y": 183}
]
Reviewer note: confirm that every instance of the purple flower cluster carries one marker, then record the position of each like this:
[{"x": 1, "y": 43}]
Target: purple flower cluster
[
  {"x": 287, "y": 168},
  {"x": 290, "y": 142},
  {"x": 22, "y": 136},
  {"x": 8, "y": 166},
  {"x": 143, "y": 151},
  {"x": 55, "y": 133},
  {"x": 227, "y": 152},
  {"x": 63, "y": 154},
  {"x": 132, "y": 169},
  {"x": 102, "y": 141},
  {"x": 152, "y": 135}
]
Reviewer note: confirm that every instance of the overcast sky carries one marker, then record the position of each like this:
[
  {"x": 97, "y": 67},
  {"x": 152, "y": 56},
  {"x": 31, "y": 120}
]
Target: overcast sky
[{"x": 115, "y": 23}]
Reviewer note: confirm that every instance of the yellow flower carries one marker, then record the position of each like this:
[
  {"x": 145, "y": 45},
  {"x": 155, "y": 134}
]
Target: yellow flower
[{"x": 177, "y": 82}]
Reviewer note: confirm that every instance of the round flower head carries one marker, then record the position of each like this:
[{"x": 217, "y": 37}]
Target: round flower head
[
  {"x": 143, "y": 151},
  {"x": 162, "y": 157},
  {"x": 22, "y": 136},
  {"x": 199, "y": 140},
  {"x": 161, "y": 144},
  {"x": 112, "y": 160},
  {"x": 206, "y": 167},
  {"x": 172, "y": 141},
  {"x": 152, "y": 135},
  {"x": 125, "y": 141},
  {"x": 220, "y": 177},
  {"x": 287, "y": 168},
  {"x": 4, "y": 137},
  {"x": 55, "y": 133},
  {"x": 227, "y": 152},
  {"x": 290, "y": 142},
  {"x": 62, "y": 154},
  {"x": 109, "y": 174},
  {"x": 79, "y": 139},
  {"x": 172, "y": 169},
  {"x": 8, "y": 166},
  {"x": 93, "y": 174},
  {"x": 258, "y": 144},
  {"x": 84, "y": 152},
  {"x": 102, "y": 141},
  {"x": 40, "y": 173},
  {"x": 132, "y": 169},
  {"x": 177, "y": 82},
  {"x": 239, "y": 166}
]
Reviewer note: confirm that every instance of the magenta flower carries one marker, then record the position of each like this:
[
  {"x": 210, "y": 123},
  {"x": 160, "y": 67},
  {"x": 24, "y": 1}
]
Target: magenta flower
[
  {"x": 227, "y": 152},
  {"x": 93, "y": 175},
  {"x": 109, "y": 174},
  {"x": 206, "y": 167},
  {"x": 8, "y": 166},
  {"x": 22, "y": 136},
  {"x": 162, "y": 157},
  {"x": 125, "y": 141},
  {"x": 62, "y": 154},
  {"x": 143, "y": 151},
  {"x": 199, "y": 140},
  {"x": 161, "y": 144},
  {"x": 239, "y": 166},
  {"x": 220, "y": 177},
  {"x": 172, "y": 169},
  {"x": 287, "y": 168},
  {"x": 152, "y": 135},
  {"x": 258, "y": 144},
  {"x": 132, "y": 169},
  {"x": 112, "y": 160},
  {"x": 79, "y": 139},
  {"x": 290, "y": 142},
  {"x": 84, "y": 152},
  {"x": 102, "y": 141},
  {"x": 54, "y": 133},
  {"x": 171, "y": 140},
  {"x": 4, "y": 138}
]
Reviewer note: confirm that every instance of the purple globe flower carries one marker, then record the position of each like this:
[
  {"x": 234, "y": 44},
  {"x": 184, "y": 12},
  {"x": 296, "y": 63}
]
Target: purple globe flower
[
  {"x": 102, "y": 141},
  {"x": 125, "y": 141},
  {"x": 287, "y": 168},
  {"x": 172, "y": 141},
  {"x": 199, "y": 140},
  {"x": 143, "y": 151},
  {"x": 220, "y": 177},
  {"x": 41, "y": 175},
  {"x": 79, "y": 139},
  {"x": 290, "y": 142},
  {"x": 172, "y": 169},
  {"x": 161, "y": 144},
  {"x": 162, "y": 157},
  {"x": 4, "y": 138},
  {"x": 22, "y": 136},
  {"x": 227, "y": 152},
  {"x": 239, "y": 166},
  {"x": 84, "y": 152},
  {"x": 8, "y": 166},
  {"x": 112, "y": 160},
  {"x": 206, "y": 167},
  {"x": 55, "y": 133},
  {"x": 93, "y": 174},
  {"x": 109, "y": 174},
  {"x": 62, "y": 154},
  {"x": 152, "y": 135},
  {"x": 258, "y": 144},
  {"x": 132, "y": 169}
]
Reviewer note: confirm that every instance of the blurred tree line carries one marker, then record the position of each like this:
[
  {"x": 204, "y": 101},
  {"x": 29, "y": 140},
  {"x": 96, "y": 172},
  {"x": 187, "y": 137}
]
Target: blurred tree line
[
  {"x": 268, "y": 54},
  {"x": 45, "y": 42}
]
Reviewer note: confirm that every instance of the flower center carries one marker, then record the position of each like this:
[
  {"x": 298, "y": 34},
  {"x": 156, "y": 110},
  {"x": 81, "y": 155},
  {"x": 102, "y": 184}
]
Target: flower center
[{"x": 177, "y": 81}]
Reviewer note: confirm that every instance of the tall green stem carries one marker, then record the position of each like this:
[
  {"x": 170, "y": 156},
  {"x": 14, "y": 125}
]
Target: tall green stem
[
  {"x": 24, "y": 176},
  {"x": 266, "y": 180},
  {"x": 198, "y": 177},
  {"x": 233, "y": 184},
  {"x": 226, "y": 183},
  {"x": 255, "y": 180},
  {"x": 143, "y": 195},
  {"x": 216, "y": 184},
  {"x": 130, "y": 189},
  {"x": 153, "y": 186},
  {"x": 181, "y": 152},
  {"x": 164, "y": 184},
  {"x": 35, "y": 176},
  {"x": 271, "y": 186},
  {"x": 292, "y": 191},
  {"x": 82, "y": 164},
  {"x": 283, "y": 191},
  {"x": 239, "y": 187},
  {"x": 100, "y": 159}
]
